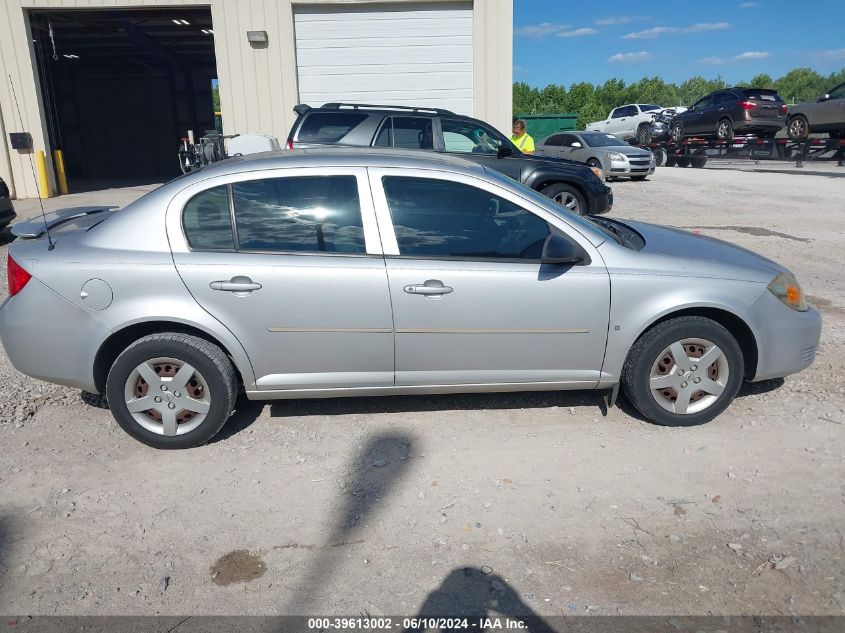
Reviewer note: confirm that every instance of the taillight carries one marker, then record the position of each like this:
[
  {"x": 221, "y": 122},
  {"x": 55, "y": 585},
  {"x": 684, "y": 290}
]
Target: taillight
[
  {"x": 784, "y": 109},
  {"x": 17, "y": 276},
  {"x": 290, "y": 143},
  {"x": 748, "y": 105}
]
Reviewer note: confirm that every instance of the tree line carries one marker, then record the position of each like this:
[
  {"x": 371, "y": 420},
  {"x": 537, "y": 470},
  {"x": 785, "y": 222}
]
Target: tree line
[{"x": 593, "y": 102}]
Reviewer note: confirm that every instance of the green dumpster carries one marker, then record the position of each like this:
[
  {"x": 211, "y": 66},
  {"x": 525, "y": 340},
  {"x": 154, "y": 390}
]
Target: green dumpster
[{"x": 540, "y": 126}]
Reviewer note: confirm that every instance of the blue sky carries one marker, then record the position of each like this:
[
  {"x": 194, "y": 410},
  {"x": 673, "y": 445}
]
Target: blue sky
[{"x": 566, "y": 41}]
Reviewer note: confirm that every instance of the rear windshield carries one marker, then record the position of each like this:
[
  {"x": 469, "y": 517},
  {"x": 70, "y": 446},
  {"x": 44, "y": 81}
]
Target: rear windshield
[
  {"x": 329, "y": 127},
  {"x": 761, "y": 94}
]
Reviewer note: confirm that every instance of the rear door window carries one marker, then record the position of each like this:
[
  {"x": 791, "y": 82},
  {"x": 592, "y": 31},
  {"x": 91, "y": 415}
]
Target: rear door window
[
  {"x": 304, "y": 214},
  {"x": 329, "y": 127},
  {"x": 207, "y": 221},
  {"x": 407, "y": 132}
]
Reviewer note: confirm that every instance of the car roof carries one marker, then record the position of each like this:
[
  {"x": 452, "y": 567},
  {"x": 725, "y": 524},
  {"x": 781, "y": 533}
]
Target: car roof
[{"x": 338, "y": 156}]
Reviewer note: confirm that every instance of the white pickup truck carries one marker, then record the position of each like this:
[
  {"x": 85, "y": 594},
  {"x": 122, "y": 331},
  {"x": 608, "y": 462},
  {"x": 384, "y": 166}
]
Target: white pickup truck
[{"x": 632, "y": 121}]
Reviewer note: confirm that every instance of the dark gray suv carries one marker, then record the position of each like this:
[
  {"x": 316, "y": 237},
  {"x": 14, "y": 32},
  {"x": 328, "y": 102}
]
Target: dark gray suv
[
  {"x": 7, "y": 211},
  {"x": 732, "y": 111},
  {"x": 572, "y": 184}
]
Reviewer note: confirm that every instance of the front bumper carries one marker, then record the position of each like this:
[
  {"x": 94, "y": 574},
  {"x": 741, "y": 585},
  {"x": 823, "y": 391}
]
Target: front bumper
[
  {"x": 49, "y": 338},
  {"x": 601, "y": 199},
  {"x": 787, "y": 340},
  {"x": 630, "y": 167}
]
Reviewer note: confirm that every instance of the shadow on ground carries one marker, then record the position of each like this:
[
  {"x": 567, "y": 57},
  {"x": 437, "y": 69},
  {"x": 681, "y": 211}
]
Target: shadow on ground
[{"x": 377, "y": 469}]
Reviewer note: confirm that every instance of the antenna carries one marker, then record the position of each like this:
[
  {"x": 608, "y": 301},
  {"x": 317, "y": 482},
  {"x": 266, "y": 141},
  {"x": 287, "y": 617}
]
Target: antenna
[{"x": 50, "y": 244}]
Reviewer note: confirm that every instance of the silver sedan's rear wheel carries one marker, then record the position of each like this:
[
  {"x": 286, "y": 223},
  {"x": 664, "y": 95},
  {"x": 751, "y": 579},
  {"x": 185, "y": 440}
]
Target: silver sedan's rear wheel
[
  {"x": 171, "y": 390},
  {"x": 684, "y": 371},
  {"x": 167, "y": 396}
]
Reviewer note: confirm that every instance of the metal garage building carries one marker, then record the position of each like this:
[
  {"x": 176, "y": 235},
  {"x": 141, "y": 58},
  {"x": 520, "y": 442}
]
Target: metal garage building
[{"x": 116, "y": 83}]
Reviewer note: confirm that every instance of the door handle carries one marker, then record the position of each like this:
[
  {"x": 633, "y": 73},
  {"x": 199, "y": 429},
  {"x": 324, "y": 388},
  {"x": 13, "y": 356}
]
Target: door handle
[
  {"x": 236, "y": 284},
  {"x": 431, "y": 288}
]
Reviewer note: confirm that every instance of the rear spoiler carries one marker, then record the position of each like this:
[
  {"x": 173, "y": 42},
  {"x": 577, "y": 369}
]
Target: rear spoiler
[{"x": 37, "y": 226}]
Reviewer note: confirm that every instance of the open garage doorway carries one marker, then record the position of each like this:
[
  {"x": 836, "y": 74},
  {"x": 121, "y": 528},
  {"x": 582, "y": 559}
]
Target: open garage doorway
[{"x": 120, "y": 87}]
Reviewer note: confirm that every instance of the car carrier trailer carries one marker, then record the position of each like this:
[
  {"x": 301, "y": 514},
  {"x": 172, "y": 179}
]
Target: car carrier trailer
[{"x": 696, "y": 152}]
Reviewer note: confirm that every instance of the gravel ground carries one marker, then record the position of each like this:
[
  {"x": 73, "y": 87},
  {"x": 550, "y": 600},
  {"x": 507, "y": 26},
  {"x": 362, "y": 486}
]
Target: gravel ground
[{"x": 518, "y": 503}]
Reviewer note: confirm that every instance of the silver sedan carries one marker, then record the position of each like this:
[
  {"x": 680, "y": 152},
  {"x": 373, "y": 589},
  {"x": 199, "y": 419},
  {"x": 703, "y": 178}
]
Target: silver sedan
[
  {"x": 609, "y": 153},
  {"x": 341, "y": 272}
]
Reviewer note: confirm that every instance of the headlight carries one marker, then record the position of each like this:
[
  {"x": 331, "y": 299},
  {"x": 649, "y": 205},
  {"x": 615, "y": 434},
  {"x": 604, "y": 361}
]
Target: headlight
[
  {"x": 614, "y": 156},
  {"x": 786, "y": 288}
]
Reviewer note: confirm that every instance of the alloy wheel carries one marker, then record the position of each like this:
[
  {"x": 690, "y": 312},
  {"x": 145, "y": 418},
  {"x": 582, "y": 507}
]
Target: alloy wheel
[
  {"x": 167, "y": 396},
  {"x": 797, "y": 128},
  {"x": 689, "y": 376},
  {"x": 724, "y": 131},
  {"x": 568, "y": 200}
]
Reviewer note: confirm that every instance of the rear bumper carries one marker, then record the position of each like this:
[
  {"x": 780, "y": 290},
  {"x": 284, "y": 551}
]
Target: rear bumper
[
  {"x": 47, "y": 337},
  {"x": 787, "y": 340}
]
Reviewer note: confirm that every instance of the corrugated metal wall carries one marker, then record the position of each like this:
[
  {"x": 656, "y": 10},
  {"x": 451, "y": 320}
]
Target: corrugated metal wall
[{"x": 258, "y": 86}]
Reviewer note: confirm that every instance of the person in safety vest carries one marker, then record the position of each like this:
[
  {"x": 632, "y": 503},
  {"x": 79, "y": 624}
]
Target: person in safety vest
[{"x": 521, "y": 138}]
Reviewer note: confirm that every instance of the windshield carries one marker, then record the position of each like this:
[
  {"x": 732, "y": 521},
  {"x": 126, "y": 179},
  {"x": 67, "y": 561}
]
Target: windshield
[
  {"x": 649, "y": 108},
  {"x": 602, "y": 140}
]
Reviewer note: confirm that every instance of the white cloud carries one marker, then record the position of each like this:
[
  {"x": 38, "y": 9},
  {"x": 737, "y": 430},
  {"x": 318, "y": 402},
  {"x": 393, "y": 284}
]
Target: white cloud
[
  {"x": 752, "y": 55},
  {"x": 748, "y": 5},
  {"x": 701, "y": 27},
  {"x": 834, "y": 54},
  {"x": 651, "y": 33},
  {"x": 657, "y": 31},
  {"x": 612, "y": 20},
  {"x": 742, "y": 57},
  {"x": 577, "y": 32},
  {"x": 630, "y": 58},
  {"x": 543, "y": 29}
]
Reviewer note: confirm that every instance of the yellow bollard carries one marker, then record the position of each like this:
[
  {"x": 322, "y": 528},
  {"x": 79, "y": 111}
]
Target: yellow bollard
[
  {"x": 43, "y": 180},
  {"x": 59, "y": 165}
]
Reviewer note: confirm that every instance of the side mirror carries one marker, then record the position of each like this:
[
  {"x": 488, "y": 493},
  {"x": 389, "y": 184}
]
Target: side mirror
[
  {"x": 504, "y": 151},
  {"x": 576, "y": 144},
  {"x": 560, "y": 250}
]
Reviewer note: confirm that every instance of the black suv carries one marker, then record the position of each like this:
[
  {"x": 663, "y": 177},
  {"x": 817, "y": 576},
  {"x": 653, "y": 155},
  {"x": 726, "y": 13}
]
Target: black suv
[
  {"x": 569, "y": 183},
  {"x": 731, "y": 111}
]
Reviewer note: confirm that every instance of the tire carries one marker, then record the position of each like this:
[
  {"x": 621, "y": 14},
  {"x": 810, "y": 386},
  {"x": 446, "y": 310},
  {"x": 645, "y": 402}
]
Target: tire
[
  {"x": 660, "y": 156},
  {"x": 671, "y": 160},
  {"x": 798, "y": 128},
  {"x": 698, "y": 160},
  {"x": 595, "y": 163},
  {"x": 155, "y": 361},
  {"x": 677, "y": 133},
  {"x": 725, "y": 130},
  {"x": 683, "y": 161},
  {"x": 647, "y": 361},
  {"x": 567, "y": 196},
  {"x": 644, "y": 134}
]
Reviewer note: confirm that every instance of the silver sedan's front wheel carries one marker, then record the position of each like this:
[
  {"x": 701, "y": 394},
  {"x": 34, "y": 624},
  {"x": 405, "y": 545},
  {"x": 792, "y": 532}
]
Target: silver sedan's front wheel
[
  {"x": 171, "y": 390},
  {"x": 689, "y": 376},
  {"x": 683, "y": 371}
]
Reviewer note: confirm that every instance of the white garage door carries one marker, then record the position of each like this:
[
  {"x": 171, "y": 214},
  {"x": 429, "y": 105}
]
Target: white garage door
[{"x": 411, "y": 54}]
